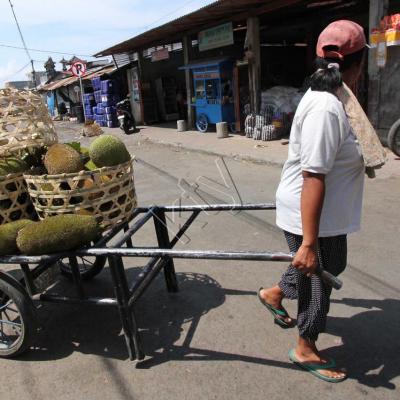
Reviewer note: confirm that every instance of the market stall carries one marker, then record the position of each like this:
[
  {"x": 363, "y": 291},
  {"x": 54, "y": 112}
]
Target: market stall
[{"x": 213, "y": 93}]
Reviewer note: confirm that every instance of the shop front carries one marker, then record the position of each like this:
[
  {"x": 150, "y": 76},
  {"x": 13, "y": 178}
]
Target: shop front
[{"x": 271, "y": 49}]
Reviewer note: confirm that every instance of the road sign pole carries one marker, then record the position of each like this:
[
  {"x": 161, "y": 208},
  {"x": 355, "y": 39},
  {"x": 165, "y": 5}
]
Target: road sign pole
[{"x": 82, "y": 98}]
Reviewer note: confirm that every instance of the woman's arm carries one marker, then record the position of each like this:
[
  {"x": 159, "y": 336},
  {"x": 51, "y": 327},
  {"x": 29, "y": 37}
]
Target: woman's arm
[{"x": 312, "y": 200}]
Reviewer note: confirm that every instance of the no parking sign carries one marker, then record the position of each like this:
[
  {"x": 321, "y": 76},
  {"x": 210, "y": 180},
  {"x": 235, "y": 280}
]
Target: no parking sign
[{"x": 78, "y": 69}]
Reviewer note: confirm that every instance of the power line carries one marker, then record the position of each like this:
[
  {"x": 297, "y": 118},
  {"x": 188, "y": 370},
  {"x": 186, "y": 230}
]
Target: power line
[
  {"x": 17, "y": 72},
  {"x": 170, "y": 13},
  {"x": 24, "y": 44},
  {"x": 26, "y": 49},
  {"x": 44, "y": 51},
  {"x": 20, "y": 32}
]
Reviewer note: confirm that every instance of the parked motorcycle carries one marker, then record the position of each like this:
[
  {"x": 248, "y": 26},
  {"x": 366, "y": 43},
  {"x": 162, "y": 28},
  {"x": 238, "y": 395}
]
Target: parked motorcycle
[
  {"x": 125, "y": 117},
  {"x": 394, "y": 138}
]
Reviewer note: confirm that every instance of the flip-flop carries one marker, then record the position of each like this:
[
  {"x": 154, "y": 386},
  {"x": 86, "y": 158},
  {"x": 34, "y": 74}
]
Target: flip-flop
[
  {"x": 276, "y": 313},
  {"x": 314, "y": 367}
]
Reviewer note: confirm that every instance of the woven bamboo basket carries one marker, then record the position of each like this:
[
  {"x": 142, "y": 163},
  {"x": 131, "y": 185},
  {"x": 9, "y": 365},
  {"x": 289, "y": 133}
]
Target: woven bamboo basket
[
  {"x": 24, "y": 122},
  {"x": 15, "y": 202},
  {"x": 107, "y": 193}
]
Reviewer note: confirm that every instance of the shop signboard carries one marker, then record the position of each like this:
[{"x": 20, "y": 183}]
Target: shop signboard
[
  {"x": 159, "y": 55},
  {"x": 218, "y": 36},
  {"x": 206, "y": 75}
]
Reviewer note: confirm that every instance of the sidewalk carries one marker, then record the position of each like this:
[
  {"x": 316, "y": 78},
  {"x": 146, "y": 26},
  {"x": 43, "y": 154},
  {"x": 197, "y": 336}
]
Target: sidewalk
[
  {"x": 234, "y": 146},
  {"x": 239, "y": 147}
]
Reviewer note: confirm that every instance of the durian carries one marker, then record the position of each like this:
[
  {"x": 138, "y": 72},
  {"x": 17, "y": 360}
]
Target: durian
[
  {"x": 8, "y": 236},
  {"x": 63, "y": 159},
  {"x": 108, "y": 151},
  {"x": 57, "y": 234}
]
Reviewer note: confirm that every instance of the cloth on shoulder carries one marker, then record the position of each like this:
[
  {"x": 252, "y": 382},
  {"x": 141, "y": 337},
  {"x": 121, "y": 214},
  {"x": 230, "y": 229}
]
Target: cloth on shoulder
[{"x": 372, "y": 150}]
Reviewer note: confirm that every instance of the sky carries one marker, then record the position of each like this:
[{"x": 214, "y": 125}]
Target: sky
[{"x": 81, "y": 27}]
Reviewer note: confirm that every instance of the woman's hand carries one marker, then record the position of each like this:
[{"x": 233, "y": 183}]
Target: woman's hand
[{"x": 306, "y": 260}]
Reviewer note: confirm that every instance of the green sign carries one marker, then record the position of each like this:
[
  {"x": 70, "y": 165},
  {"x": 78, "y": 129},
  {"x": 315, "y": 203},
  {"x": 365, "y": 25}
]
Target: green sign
[{"x": 219, "y": 36}]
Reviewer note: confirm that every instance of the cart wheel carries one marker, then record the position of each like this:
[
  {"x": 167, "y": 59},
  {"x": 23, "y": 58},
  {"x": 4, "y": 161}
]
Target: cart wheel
[
  {"x": 202, "y": 123},
  {"x": 394, "y": 138},
  {"x": 232, "y": 127},
  {"x": 17, "y": 318},
  {"x": 89, "y": 267}
]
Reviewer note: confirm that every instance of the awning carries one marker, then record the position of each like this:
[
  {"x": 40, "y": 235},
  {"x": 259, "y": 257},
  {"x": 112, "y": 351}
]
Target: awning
[
  {"x": 223, "y": 11},
  {"x": 72, "y": 79},
  {"x": 215, "y": 13}
]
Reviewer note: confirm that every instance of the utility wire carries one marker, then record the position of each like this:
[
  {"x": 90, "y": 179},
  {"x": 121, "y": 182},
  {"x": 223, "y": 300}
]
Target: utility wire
[
  {"x": 24, "y": 44},
  {"x": 74, "y": 54},
  {"x": 82, "y": 55},
  {"x": 17, "y": 72},
  {"x": 45, "y": 51},
  {"x": 170, "y": 13},
  {"x": 20, "y": 32}
]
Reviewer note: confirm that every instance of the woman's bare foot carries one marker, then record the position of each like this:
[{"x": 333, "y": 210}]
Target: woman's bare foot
[
  {"x": 307, "y": 353},
  {"x": 274, "y": 297}
]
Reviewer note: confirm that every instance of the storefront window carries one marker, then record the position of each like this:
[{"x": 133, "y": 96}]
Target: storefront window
[
  {"x": 212, "y": 89},
  {"x": 200, "y": 92}
]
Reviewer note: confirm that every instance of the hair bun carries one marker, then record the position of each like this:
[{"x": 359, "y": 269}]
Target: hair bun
[{"x": 333, "y": 65}]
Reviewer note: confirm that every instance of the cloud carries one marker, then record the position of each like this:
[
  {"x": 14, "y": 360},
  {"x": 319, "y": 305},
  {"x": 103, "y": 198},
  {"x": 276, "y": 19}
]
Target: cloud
[
  {"x": 78, "y": 26},
  {"x": 111, "y": 14},
  {"x": 11, "y": 72}
]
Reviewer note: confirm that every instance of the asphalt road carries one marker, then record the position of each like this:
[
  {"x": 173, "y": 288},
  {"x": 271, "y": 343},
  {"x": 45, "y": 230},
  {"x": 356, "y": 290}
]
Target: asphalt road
[{"x": 213, "y": 340}]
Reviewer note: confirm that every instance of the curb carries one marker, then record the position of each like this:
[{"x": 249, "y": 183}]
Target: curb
[{"x": 236, "y": 157}]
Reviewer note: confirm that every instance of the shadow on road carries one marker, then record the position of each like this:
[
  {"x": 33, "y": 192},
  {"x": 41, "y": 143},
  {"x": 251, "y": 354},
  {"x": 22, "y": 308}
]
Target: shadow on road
[
  {"x": 163, "y": 319},
  {"x": 168, "y": 323},
  {"x": 371, "y": 344}
]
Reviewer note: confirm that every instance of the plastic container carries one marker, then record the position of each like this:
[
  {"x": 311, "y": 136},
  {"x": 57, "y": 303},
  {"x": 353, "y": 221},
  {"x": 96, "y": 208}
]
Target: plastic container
[
  {"x": 110, "y": 110},
  {"x": 107, "y": 103},
  {"x": 107, "y": 86},
  {"x": 94, "y": 110},
  {"x": 106, "y": 100},
  {"x": 97, "y": 96},
  {"x": 90, "y": 116},
  {"x": 96, "y": 83},
  {"x": 100, "y": 109},
  {"x": 88, "y": 98},
  {"x": 111, "y": 124},
  {"x": 110, "y": 117}
]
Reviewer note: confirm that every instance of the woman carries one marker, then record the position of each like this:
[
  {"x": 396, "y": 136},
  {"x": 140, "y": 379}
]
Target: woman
[{"x": 320, "y": 195}]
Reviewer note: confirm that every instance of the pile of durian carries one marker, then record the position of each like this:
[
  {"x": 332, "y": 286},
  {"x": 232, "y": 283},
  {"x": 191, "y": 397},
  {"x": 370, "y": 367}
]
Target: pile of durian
[
  {"x": 105, "y": 151},
  {"x": 63, "y": 232}
]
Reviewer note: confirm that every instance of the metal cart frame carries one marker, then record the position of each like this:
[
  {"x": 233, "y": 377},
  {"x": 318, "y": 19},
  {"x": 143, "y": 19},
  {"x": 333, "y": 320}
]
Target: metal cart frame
[{"x": 161, "y": 258}]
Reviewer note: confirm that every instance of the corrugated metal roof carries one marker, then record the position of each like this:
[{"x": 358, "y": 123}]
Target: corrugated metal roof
[
  {"x": 214, "y": 13},
  {"x": 72, "y": 79}
]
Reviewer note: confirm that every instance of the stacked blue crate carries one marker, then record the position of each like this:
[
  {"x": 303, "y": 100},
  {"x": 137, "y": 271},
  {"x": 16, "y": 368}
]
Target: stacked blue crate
[
  {"x": 108, "y": 101},
  {"x": 104, "y": 95},
  {"x": 88, "y": 102}
]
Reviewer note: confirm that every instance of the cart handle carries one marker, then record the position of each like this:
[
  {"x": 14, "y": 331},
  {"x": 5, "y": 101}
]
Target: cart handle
[
  {"x": 330, "y": 279},
  {"x": 327, "y": 277}
]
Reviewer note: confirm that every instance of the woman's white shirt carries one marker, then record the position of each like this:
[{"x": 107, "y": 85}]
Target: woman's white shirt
[{"x": 322, "y": 142}]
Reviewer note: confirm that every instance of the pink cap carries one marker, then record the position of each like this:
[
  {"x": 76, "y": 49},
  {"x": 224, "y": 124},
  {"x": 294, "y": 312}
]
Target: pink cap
[{"x": 347, "y": 36}]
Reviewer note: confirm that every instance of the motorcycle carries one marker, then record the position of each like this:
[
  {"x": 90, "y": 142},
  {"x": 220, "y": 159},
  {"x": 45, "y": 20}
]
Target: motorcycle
[
  {"x": 394, "y": 138},
  {"x": 125, "y": 117}
]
